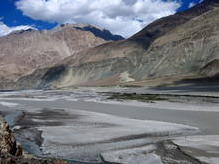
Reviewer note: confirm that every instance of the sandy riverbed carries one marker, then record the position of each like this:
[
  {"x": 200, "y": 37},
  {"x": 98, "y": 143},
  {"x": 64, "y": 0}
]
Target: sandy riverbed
[{"x": 82, "y": 124}]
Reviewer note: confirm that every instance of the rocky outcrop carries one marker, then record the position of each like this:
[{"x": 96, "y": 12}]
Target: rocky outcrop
[
  {"x": 8, "y": 144},
  {"x": 12, "y": 153}
]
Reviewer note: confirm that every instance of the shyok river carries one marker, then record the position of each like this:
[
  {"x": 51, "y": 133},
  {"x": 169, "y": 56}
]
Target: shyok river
[{"x": 85, "y": 126}]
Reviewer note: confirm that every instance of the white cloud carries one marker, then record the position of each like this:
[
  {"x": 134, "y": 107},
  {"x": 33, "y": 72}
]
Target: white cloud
[
  {"x": 5, "y": 30},
  {"x": 120, "y": 16},
  {"x": 192, "y": 4}
]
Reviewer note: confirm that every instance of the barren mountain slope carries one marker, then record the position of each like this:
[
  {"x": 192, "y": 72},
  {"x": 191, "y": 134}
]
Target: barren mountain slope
[
  {"x": 179, "y": 45},
  {"x": 23, "y": 51}
]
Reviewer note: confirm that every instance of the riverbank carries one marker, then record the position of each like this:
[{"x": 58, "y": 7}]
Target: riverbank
[{"x": 12, "y": 152}]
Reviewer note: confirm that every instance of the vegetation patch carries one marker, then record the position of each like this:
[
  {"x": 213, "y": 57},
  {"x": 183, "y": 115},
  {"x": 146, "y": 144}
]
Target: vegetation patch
[{"x": 138, "y": 97}]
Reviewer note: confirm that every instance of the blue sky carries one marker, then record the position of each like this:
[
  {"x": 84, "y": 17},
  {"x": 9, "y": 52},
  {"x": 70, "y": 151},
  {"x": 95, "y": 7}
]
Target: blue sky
[
  {"x": 11, "y": 16},
  {"x": 186, "y": 3},
  {"x": 35, "y": 13}
]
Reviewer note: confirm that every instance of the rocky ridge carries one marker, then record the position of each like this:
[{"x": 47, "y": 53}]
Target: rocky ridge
[{"x": 8, "y": 144}]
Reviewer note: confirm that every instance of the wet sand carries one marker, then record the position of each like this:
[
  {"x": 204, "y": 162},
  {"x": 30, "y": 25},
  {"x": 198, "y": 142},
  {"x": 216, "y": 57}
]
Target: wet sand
[{"x": 206, "y": 121}]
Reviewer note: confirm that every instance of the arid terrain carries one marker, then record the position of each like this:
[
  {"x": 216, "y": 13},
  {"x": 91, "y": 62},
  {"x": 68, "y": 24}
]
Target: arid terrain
[{"x": 79, "y": 94}]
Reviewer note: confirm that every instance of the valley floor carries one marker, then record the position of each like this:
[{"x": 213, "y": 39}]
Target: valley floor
[{"x": 116, "y": 125}]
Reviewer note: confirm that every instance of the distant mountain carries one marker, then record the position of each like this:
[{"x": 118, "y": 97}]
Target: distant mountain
[
  {"x": 101, "y": 33},
  {"x": 172, "y": 48},
  {"x": 23, "y": 51}
]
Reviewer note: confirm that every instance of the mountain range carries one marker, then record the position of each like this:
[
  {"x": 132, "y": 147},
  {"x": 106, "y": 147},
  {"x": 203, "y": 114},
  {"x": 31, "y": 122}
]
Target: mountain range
[
  {"x": 24, "y": 51},
  {"x": 177, "y": 47}
]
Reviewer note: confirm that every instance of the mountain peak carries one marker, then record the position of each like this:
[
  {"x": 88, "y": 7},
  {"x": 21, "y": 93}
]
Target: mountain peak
[
  {"x": 96, "y": 30},
  {"x": 23, "y": 31},
  {"x": 81, "y": 25}
]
